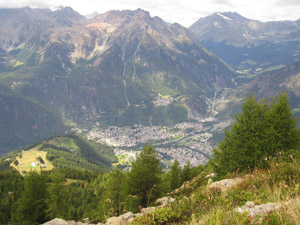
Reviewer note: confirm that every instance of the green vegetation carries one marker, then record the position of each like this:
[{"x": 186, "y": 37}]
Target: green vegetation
[
  {"x": 29, "y": 161},
  {"x": 212, "y": 206},
  {"x": 64, "y": 151},
  {"x": 24, "y": 122},
  {"x": 30, "y": 207},
  {"x": 264, "y": 141},
  {"x": 145, "y": 176},
  {"x": 260, "y": 132},
  {"x": 71, "y": 151},
  {"x": 73, "y": 193}
]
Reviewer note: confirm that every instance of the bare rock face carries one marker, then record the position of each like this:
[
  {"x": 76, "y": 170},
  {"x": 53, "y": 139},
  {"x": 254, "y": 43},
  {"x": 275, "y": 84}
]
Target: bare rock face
[{"x": 228, "y": 184}]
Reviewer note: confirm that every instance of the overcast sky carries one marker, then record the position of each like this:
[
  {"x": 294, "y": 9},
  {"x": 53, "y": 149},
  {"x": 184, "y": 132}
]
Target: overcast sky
[{"x": 185, "y": 12}]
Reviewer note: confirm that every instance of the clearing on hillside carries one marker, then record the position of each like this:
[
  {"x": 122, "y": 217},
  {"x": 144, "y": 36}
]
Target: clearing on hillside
[{"x": 29, "y": 162}]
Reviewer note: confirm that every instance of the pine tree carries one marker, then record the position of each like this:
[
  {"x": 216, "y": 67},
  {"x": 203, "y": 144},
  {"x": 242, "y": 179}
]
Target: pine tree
[
  {"x": 281, "y": 133},
  {"x": 30, "y": 208},
  {"x": 186, "y": 172},
  {"x": 145, "y": 176},
  {"x": 261, "y": 130},
  {"x": 114, "y": 190},
  {"x": 56, "y": 200},
  {"x": 175, "y": 175}
]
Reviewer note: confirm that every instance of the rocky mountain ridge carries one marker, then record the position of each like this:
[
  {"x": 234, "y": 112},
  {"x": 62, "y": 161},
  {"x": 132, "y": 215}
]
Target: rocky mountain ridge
[
  {"x": 249, "y": 46},
  {"x": 110, "y": 69}
]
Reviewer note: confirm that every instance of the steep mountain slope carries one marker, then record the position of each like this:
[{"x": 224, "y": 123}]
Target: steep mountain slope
[
  {"x": 268, "y": 84},
  {"x": 249, "y": 45},
  {"x": 24, "y": 121},
  {"x": 113, "y": 69}
]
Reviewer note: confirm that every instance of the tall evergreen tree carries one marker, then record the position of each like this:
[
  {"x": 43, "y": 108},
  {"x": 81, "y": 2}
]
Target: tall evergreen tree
[
  {"x": 281, "y": 127},
  {"x": 145, "y": 176},
  {"x": 186, "y": 172},
  {"x": 114, "y": 191},
  {"x": 175, "y": 175},
  {"x": 30, "y": 209},
  {"x": 260, "y": 131},
  {"x": 56, "y": 200}
]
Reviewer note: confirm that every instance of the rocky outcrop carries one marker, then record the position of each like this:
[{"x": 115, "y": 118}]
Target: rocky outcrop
[
  {"x": 255, "y": 210},
  {"x": 227, "y": 184},
  {"x": 263, "y": 210},
  {"x": 124, "y": 219},
  {"x": 58, "y": 221},
  {"x": 120, "y": 220},
  {"x": 164, "y": 201}
]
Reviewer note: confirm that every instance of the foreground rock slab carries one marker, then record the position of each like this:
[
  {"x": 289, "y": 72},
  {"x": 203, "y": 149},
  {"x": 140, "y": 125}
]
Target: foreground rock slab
[
  {"x": 164, "y": 201},
  {"x": 58, "y": 221},
  {"x": 120, "y": 220},
  {"x": 255, "y": 210},
  {"x": 227, "y": 184}
]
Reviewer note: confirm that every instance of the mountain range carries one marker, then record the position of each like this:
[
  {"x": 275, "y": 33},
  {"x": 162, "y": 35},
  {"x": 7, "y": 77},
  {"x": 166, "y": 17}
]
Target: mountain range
[
  {"x": 249, "y": 46},
  {"x": 109, "y": 69},
  {"x": 60, "y": 70}
]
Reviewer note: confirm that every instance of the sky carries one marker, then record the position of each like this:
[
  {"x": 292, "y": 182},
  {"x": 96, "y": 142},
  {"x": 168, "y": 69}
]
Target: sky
[{"x": 184, "y": 12}]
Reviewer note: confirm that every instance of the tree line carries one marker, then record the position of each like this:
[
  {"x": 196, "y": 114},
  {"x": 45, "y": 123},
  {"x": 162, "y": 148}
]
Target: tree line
[{"x": 76, "y": 194}]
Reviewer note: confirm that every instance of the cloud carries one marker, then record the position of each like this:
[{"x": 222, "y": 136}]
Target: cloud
[
  {"x": 288, "y": 3},
  {"x": 180, "y": 11},
  {"x": 23, "y": 3}
]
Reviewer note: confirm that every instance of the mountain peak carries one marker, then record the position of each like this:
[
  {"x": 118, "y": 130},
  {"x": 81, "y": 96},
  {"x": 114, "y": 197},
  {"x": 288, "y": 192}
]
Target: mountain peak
[
  {"x": 117, "y": 16},
  {"x": 67, "y": 12}
]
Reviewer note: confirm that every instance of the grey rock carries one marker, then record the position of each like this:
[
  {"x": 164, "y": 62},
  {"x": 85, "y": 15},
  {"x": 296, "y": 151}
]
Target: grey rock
[
  {"x": 164, "y": 201},
  {"x": 138, "y": 214},
  {"x": 228, "y": 184},
  {"x": 120, "y": 220},
  {"x": 254, "y": 210},
  {"x": 128, "y": 215},
  {"x": 86, "y": 220},
  {"x": 56, "y": 221}
]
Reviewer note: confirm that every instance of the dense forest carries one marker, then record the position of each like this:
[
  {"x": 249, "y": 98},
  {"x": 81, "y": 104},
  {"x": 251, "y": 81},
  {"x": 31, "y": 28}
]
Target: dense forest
[{"x": 77, "y": 194}]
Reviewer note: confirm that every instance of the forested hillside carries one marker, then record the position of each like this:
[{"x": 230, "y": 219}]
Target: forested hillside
[
  {"x": 65, "y": 151},
  {"x": 260, "y": 155}
]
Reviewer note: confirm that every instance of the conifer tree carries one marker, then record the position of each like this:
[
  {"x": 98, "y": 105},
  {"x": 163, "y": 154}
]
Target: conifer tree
[
  {"x": 281, "y": 127},
  {"x": 261, "y": 130},
  {"x": 186, "y": 172},
  {"x": 114, "y": 190},
  {"x": 145, "y": 176},
  {"x": 175, "y": 175},
  {"x": 30, "y": 208},
  {"x": 56, "y": 200}
]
